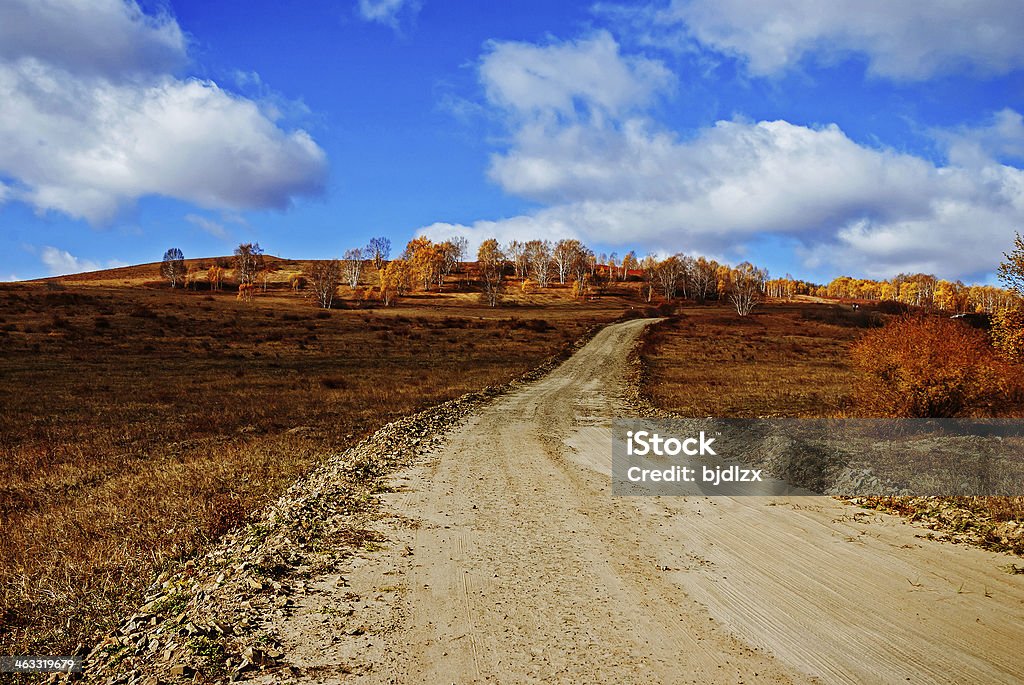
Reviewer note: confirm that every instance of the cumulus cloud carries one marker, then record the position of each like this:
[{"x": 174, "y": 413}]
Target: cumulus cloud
[
  {"x": 626, "y": 181},
  {"x": 911, "y": 39},
  {"x": 1001, "y": 138},
  {"x": 386, "y": 12},
  {"x": 856, "y": 208},
  {"x": 87, "y": 144},
  {"x": 108, "y": 37},
  {"x": 564, "y": 78}
]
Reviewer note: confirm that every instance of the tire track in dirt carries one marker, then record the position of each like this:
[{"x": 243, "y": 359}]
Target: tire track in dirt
[{"x": 510, "y": 561}]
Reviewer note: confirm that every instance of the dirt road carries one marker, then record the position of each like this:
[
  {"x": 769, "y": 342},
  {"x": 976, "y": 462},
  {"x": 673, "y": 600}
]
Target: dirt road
[{"x": 508, "y": 560}]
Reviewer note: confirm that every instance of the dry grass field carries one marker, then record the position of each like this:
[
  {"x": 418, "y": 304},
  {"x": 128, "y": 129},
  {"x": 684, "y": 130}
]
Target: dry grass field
[
  {"x": 784, "y": 360},
  {"x": 138, "y": 424}
]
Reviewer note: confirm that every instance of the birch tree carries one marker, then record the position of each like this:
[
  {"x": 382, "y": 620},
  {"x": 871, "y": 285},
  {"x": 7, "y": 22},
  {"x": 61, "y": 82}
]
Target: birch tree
[
  {"x": 379, "y": 250},
  {"x": 323, "y": 277},
  {"x": 173, "y": 266},
  {"x": 491, "y": 262},
  {"x": 352, "y": 266},
  {"x": 395, "y": 280},
  {"x": 565, "y": 254},
  {"x": 747, "y": 283},
  {"x": 538, "y": 258},
  {"x": 248, "y": 262}
]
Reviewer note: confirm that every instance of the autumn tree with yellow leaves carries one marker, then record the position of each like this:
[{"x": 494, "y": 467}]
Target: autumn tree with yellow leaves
[
  {"x": 215, "y": 277},
  {"x": 427, "y": 260},
  {"x": 396, "y": 279},
  {"x": 923, "y": 290}
]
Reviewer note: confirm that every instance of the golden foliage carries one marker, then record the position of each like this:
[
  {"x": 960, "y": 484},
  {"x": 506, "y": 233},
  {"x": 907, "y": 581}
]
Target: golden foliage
[
  {"x": 921, "y": 290},
  {"x": 931, "y": 367},
  {"x": 426, "y": 259},
  {"x": 581, "y": 287},
  {"x": 246, "y": 292},
  {"x": 1008, "y": 333},
  {"x": 395, "y": 280},
  {"x": 215, "y": 276}
]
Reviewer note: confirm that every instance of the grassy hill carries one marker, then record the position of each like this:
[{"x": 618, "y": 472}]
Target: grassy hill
[{"x": 138, "y": 423}]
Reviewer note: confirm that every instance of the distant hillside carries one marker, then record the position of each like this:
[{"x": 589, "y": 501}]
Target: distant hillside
[{"x": 149, "y": 274}]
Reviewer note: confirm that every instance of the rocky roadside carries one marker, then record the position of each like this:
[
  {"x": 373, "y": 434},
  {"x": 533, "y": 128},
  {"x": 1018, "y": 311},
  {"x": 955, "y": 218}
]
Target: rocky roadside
[
  {"x": 213, "y": 619},
  {"x": 956, "y": 520}
]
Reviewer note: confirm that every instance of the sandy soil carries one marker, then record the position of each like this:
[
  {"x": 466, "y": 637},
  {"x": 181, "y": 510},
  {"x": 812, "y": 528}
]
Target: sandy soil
[{"x": 508, "y": 560}]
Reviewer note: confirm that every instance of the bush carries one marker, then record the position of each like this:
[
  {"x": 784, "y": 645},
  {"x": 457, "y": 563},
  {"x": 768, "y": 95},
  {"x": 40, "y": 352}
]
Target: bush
[{"x": 922, "y": 367}]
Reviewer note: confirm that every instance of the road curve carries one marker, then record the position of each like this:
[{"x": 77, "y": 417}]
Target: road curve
[{"x": 508, "y": 560}]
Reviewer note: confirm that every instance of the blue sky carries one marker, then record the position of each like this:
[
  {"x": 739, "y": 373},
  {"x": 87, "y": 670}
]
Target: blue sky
[{"x": 819, "y": 139}]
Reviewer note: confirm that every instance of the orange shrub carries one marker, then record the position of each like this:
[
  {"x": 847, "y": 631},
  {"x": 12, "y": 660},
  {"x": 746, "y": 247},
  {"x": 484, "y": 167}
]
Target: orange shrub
[{"x": 932, "y": 367}]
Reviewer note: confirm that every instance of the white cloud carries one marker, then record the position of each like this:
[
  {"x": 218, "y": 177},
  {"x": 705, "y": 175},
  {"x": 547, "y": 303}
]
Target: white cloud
[
  {"x": 1002, "y": 138},
  {"x": 859, "y": 209},
  {"x": 564, "y": 78},
  {"x": 87, "y": 144},
  {"x": 108, "y": 37},
  {"x": 62, "y": 262},
  {"x": 386, "y": 12},
  {"x": 624, "y": 181},
  {"x": 214, "y": 228},
  {"x": 909, "y": 39}
]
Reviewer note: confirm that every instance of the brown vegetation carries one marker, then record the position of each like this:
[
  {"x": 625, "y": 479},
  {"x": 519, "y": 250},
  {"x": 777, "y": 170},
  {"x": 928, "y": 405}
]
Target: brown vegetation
[
  {"x": 932, "y": 367},
  {"x": 141, "y": 423},
  {"x": 784, "y": 360},
  {"x": 137, "y": 424}
]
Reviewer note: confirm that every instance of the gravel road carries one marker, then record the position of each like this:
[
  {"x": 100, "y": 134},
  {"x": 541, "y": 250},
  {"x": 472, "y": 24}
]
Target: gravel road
[{"x": 506, "y": 559}]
